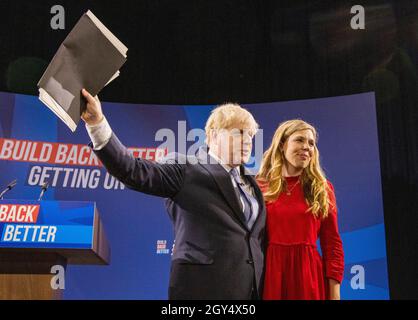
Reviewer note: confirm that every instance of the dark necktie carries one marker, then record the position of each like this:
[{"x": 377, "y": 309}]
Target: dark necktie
[{"x": 250, "y": 203}]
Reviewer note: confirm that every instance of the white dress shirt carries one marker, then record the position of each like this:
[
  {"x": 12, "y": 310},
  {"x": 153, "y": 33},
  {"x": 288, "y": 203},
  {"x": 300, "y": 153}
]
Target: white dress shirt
[{"x": 99, "y": 133}]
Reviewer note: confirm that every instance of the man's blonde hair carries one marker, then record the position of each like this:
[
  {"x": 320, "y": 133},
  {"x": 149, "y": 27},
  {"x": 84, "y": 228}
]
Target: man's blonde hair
[{"x": 226, "y": 115}]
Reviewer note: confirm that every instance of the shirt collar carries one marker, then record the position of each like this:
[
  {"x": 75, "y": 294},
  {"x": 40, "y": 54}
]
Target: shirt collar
[{"x": 225, "y": 166}]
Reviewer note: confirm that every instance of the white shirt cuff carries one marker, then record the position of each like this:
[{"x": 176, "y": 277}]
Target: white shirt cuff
[{"x": 99, "y": 134}]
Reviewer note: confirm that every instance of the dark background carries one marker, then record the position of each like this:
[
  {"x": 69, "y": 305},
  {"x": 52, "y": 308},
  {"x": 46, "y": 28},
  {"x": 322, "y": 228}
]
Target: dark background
[{"x": 208, "y": 52}]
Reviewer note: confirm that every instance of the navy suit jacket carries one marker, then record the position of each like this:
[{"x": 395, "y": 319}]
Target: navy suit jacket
[{"x": 216, "y": 256}]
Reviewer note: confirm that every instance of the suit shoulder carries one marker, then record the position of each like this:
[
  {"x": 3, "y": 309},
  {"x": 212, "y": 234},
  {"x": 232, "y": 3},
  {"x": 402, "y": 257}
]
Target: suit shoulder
[{"x": 175, "y": 158}]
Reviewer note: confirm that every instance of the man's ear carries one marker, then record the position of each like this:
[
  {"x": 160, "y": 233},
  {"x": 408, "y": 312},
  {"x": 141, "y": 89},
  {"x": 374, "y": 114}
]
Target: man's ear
[
  {"x": 213, "y": 135},
  {"x": 210, "y": 138}
]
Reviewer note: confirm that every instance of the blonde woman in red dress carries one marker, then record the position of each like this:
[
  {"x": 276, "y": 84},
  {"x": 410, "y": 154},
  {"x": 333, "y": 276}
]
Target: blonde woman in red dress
[{"x": 301, "y": 208}]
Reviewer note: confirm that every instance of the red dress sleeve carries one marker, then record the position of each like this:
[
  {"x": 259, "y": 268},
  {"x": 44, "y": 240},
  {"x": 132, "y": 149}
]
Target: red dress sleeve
[{"x": 331, "y": 244}]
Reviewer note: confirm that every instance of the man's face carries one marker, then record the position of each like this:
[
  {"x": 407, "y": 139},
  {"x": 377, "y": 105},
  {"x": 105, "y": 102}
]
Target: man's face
[{"x": 234, "y": 144}]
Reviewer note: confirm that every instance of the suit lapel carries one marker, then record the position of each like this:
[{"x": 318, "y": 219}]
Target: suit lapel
[
  {"x": 258, "y": 194},
  {"x": 224, "y": 183}
]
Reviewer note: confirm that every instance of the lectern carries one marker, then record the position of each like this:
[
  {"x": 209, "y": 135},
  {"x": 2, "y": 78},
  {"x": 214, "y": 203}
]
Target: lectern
[{"x": 37, "y": 237}]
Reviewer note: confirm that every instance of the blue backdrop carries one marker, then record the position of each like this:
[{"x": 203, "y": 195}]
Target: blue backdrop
[{"x": 137, "y": 226}]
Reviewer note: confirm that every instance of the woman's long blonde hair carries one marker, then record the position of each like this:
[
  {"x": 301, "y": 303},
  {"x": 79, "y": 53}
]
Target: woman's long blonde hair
[{"x": 313, "y": 180}]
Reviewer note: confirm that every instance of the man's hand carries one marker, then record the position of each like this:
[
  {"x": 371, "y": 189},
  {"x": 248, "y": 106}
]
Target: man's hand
[{"x": 93, "y": 113}]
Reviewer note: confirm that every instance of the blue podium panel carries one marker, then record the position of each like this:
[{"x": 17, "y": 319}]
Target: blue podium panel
[{"x": 70, "y": 228}]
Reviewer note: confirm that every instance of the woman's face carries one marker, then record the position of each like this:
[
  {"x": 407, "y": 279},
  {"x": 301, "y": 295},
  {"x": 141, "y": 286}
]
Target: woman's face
[{"x": 299, "y": 149}]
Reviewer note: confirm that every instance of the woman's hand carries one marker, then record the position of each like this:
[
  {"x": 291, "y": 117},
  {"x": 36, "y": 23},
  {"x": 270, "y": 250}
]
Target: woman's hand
[
  {"x": 334, "y": 289},
  {"x": 93, "y": 113}
]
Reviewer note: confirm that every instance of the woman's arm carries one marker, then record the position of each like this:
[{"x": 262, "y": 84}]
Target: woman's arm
[{"x": 332, "y": 249}]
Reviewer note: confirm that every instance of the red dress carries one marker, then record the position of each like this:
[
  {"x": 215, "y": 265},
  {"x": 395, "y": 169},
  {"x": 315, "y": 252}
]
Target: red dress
[{"x": 294, "y": 267}]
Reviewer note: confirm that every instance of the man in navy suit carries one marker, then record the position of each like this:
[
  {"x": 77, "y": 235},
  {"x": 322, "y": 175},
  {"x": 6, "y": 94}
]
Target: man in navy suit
[{"x": 215, "y": 205}]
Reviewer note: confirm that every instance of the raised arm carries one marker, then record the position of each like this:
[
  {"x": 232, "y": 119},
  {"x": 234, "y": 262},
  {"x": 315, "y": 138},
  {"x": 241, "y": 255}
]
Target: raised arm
[{"x": 164, "y": 180}]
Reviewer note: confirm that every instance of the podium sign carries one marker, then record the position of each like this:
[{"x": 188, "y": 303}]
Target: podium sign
[
  {"x": 35, "y": 235},
  {"x": 46, "y": 224}
]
